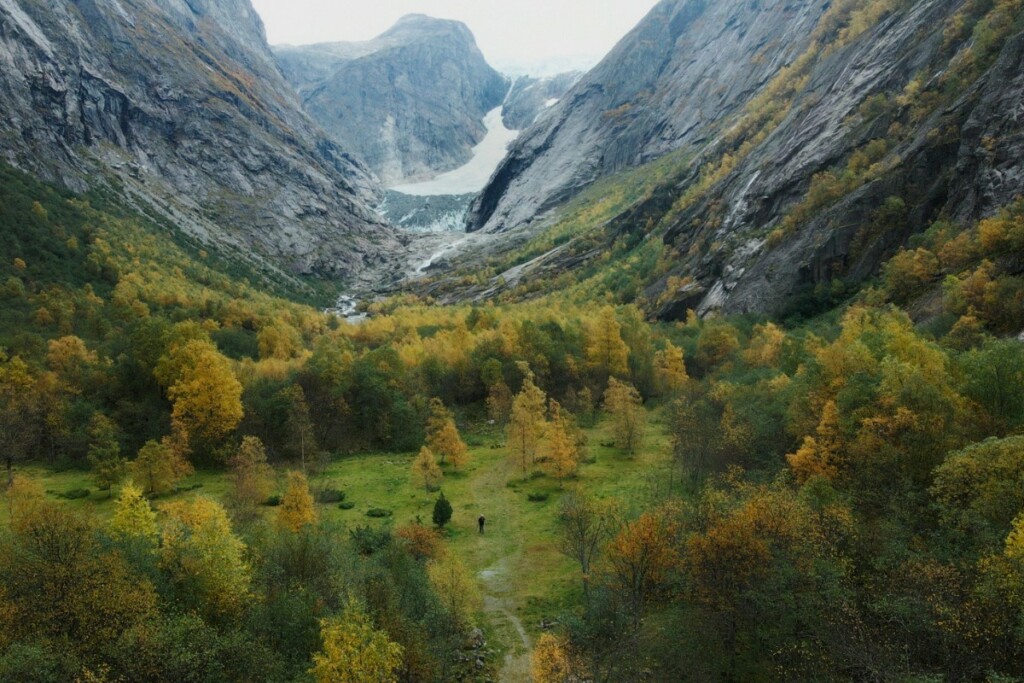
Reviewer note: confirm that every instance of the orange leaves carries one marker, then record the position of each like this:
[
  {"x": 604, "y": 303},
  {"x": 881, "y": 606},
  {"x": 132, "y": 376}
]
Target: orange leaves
[{"x": 645, "y": 554}]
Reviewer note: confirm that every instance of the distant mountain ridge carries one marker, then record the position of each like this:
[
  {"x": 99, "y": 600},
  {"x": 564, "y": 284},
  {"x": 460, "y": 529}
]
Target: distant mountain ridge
[
  {"x": 181, "y": 105},
  {"x": 410, "y": 102}
]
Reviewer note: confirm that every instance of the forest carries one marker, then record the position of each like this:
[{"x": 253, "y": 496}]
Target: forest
[{"x": 836, "y": 495}]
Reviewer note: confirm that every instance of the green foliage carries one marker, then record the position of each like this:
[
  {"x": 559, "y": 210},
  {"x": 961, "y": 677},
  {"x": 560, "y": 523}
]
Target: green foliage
[{"x": 442, "y": 513}]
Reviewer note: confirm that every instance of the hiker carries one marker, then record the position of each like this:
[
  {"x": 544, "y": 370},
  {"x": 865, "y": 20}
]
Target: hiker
[{"x": 481, "y": 523}]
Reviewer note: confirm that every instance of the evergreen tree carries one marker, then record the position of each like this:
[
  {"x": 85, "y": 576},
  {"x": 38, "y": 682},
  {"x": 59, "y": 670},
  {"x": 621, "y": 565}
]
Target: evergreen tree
[{"x": 442, "y": 511}]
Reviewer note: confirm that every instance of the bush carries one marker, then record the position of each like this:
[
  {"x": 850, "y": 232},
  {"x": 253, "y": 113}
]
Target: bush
[
  {"x": 273, "y": 501},
  {"x": 378, "y": 512},
  {"x": 329, "y": 495},
  {"x": 75, "y": 494},
  {"x": 537, "y": 497},
  {"x": 369, "y": 540},
  {"x": 348, "y": 505}
]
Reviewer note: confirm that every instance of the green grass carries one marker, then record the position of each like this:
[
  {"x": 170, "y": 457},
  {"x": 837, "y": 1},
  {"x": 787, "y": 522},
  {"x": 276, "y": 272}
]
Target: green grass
[{"x": 516, "y": 562}]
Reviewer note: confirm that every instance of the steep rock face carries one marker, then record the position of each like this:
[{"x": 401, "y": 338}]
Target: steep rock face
[
  {"x": 529, "y": 97},
  {"x": 410, "y": 103},
  {"x": 179, "y": 104},
  {"x": 820, "y": 137},
  {"x": 961, "y": 160},
  {"x": 687, "y": 66}
]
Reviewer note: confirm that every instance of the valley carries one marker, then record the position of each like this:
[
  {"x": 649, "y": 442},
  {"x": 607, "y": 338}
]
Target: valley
[{"x": 364, "y": 362}]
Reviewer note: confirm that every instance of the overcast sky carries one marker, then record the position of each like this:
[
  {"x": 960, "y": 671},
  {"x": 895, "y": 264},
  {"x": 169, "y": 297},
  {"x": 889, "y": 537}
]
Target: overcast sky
[{"x": 513, "y": 34}]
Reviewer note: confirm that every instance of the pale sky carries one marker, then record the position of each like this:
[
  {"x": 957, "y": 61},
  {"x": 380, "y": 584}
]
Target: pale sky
[{"x": 514, "y": 35}]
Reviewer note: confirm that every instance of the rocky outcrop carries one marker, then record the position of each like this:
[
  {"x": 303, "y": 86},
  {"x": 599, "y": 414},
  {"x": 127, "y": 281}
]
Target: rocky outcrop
[
  {"x": 179, "y": 105},
  {"x": 410, "y": 103},
  {"x": 529, "y": 97},
  {"x": 819, "y": 137}
]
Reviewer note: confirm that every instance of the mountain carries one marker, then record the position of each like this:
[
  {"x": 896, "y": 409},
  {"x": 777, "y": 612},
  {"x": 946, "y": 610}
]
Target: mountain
[
  {"x": 179, "y": 106},
  {"x": 410, "y": 102},
  {"x": 796, "y": 164},
  {"x": 529, "y": 96}
]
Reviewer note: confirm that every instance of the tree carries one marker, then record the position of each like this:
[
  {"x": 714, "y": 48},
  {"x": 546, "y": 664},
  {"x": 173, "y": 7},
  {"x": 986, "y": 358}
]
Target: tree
[
  {"x": 605, "y": 351},
  {"x": 159, "y": 467},
  {"x": 442, "y": 511},
  {"x": 695, "y": 436},
  {"x": 499, "y": 402},
  {"x": 251, "y": 477},
  {"x": 586, "y": 525},
  {"x": 526, "y": 425},
  {"x": 425, "y": 471},
  {"x": 819, "y": 455},
  {"x": 64, "y": 586},
  {"x": 455, "y": 587},
  {"x": 443, "y": 436},
  {"x": 670, "y": 370},
  {"x": 622, "y": 402},
  {"x": 104, "y": 453},
  {"x": 207, "y": 396},
  {"x": 643, "y": 556},
  {"x": 17, "y": 411},
  {"x": 300, "y": 425},
  {"x": 202, "y": 557},
  {"x": 133, "y": 517},
  {"x": 549, "y": 662},
  {"x": 296, "y": 510},
  {"x": 354, "y": 651},
  {"x": 563, "y": 455}
]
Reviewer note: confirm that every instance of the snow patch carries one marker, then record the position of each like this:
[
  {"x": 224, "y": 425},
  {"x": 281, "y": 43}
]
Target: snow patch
[
  {"x": 550, "y": 103},
  {"x": 473, "y": 176}
]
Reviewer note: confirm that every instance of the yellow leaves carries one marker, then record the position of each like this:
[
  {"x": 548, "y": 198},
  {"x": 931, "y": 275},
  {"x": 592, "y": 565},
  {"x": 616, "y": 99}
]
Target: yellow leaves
[
  {"x": 605, "y": 350},
  {"x": 526, "y": 424},
  {"x": 563, "y": 455},
  {"x": 443, "y": 436},
  {"x": 251, "y": 477},
  {"x": 133, "y": 518},
  {"x": 203, "y": 557},
  {"x": 24, "y": 498},
  {"x": 207, "y": 396},
  {"x": 550, "y": 662},
  {"x": 622, "y": 402},
  {"x": 159, "y": 467},
  {"x": 425, "y": 470},
  {"x": 354, "y": 651},
  {"x": 819, "y": 457},
  {"x": 765, "y": 346},
  {"x": 455, "y": 586},
  {"x": 670, "y": 369},
  {"x": 296, "y": 510},
  {"x": 279, "y": 340}
]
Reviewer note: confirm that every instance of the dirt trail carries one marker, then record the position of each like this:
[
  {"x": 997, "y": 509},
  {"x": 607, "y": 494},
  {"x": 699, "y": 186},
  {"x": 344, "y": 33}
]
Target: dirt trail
[
  {"x": 499, "y": 609},
  {"x": 500, "y": 553}
]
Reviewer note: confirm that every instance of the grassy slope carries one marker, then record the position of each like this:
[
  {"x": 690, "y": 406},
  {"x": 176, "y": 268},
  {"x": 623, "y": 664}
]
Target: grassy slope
[{"x": 517, "y": 563}]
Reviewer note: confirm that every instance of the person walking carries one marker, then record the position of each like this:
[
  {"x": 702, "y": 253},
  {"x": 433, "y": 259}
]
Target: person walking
[{"x": 481, "y": 523}]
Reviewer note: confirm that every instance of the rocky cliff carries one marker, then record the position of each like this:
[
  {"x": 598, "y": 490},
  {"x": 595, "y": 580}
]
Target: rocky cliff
[
  {"x": 819, "y": 136},
  {"x": 179, "y": 105},
  {"x": 530, "y": 96},
  {"x": 410, "y": 103}
]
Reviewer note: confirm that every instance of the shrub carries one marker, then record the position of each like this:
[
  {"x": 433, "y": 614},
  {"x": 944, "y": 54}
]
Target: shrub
[
  {"x": 537, "y": 497},
  {"x": 273, "y": 501},
  {"x": 378, "y": 513},
  {"x": 329, "y": 495},
  {"x": 368, "y": 540},
  {"x": 348, "y": 505},
  {"x": 75, "y": 494}
]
